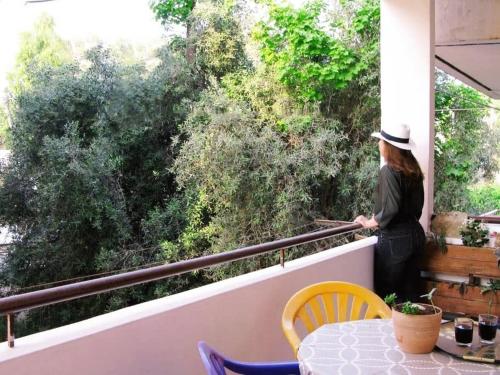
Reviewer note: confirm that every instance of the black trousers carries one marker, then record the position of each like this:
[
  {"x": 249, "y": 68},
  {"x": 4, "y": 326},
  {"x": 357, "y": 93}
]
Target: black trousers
[{"x": 397, "y": 253}]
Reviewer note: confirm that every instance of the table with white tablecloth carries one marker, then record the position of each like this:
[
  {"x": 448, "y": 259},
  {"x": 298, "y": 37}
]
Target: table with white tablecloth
[{"x": 369, "y": 347}]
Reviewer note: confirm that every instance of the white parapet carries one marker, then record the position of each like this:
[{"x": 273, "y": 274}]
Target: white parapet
[{"x": 240, "y": 317}]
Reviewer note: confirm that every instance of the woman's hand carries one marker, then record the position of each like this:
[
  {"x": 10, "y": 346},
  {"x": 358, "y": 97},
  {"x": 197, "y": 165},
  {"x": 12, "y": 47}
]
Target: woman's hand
[
  {"x": 366, "y": 223},
  {"x": 361, "y": 219}
]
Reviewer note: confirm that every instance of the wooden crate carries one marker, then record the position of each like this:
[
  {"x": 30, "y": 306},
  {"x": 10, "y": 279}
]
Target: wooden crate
[
  {"x": 468, "y": 262},
  {"x": 461, "y": 261},
  {"x": 469, "y": 301}
]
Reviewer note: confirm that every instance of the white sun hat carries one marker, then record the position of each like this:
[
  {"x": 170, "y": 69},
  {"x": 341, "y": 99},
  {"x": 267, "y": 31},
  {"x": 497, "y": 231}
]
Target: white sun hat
[{"x": 397, "y": 135}]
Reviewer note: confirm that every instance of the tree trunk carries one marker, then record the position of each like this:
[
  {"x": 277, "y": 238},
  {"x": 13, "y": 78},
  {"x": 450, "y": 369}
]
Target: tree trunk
[{"x": 190, "y": 48}]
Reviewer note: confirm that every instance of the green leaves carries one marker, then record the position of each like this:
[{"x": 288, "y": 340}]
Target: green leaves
[
  {"x": 474, "y": 233},
  {"x": 484, "y": 198},
  {"x": 40, "y": 47},
  {"x": 390, "y": 299},
  {"x": 491, "y": 288},
  {"x": 4, "y": 128},
  {"x": 218, "y": 40},
  {"x": 464, "y": 145},
  {"x": 308, "y": 59},
  {"x": 410, "y": 308},
  {"x": 89, "y": 187},
  {"x": 256, "y": 178},
  {"x": 176, "y": 11}
]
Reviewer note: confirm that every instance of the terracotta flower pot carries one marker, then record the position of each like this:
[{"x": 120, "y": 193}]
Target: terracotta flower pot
[{"x": 416, "y": 334}]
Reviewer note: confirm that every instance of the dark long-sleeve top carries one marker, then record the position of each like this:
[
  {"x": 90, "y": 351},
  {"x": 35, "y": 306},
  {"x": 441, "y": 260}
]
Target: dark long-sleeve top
[{"x": 398, "y": 198}]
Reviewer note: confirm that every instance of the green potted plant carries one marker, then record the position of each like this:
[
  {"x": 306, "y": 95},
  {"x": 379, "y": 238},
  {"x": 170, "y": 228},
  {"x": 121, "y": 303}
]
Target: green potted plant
[
  {"x": 474, "y": 233},
  {"x": 416, "y": 325}
]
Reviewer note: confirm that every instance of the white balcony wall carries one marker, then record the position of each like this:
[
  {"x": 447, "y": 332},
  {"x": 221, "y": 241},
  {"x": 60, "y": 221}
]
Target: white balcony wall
[{"x": 240, "y": 317}]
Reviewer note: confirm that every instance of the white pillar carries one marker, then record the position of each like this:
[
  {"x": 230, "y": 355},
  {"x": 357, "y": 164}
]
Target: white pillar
[{"x": 407, "y": 80}]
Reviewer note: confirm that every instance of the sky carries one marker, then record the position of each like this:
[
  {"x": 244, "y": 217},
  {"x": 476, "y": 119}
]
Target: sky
[
  {"x": 77, "y": 21},
  {"x": 109, "y": 21}
]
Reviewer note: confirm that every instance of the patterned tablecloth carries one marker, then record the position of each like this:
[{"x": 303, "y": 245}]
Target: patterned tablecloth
[{"x": 369, "y": 347}]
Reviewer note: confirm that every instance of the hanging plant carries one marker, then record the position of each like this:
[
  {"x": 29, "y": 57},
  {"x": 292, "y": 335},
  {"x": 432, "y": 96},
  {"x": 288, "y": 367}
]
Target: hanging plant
[{"x": 492, "y": 288}]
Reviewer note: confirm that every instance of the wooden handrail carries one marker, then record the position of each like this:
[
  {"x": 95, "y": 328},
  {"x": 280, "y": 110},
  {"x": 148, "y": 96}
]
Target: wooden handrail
[{"x": 492, "y": 219}]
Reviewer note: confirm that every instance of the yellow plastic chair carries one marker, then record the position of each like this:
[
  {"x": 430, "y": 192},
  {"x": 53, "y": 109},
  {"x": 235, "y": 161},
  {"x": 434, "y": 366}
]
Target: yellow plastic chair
[{"x": 329, "y": 302}]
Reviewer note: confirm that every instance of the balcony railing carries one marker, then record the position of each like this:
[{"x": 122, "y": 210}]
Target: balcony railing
[
  {"x": 12, "y": 304},
  {"x": 240, "y": 316}
]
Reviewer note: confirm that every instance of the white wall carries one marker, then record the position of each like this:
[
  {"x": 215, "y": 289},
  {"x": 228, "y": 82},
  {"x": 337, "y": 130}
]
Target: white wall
[
  {"x": 407, "y": 80},
  {"x": 240, "y": 317},
  {"x": 466, "y": 21}
]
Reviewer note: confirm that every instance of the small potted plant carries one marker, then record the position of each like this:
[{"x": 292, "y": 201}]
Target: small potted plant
[{"x": 416, "y": 325}]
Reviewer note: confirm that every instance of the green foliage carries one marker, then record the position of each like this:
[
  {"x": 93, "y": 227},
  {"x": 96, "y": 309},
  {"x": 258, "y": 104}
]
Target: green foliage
[
  {"x": 439, "y": 239},
  {"x": 218, "y": 41},
  {"x": 356, "y": 108},
  {"x": 390, "y": 299},
  {"x": 199, "y": 234},
  {"x": 410, "y": 308},
  {"x": 465, "y": 147},
  {"x": 307, "y": 58},
  {"x": 180, "y": 11},
  {"x": 491, "y": 288},
  {"x": 4, "y": 129},
  {"x": 214, "y": 44},
  {"x": 88, "y": 185},
  {"x": 175, "y": 11},
  {"x": 474, "y": 234},
  {"x": 262, "y": 91},
  {"x": 163, "y": 224},
  {"x": 258, "y": 180},
  {"x": 483, "y": 198},
  {"x": 40, "y": 47}
]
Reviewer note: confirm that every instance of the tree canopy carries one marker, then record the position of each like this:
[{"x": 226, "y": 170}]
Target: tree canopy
[
  {"x": 172, "y": 11},
  {"x": 307, "y": 58},
  {"x": 40, "y": 47},
  {"x": 464, "y": 145},
  {"x": 89, "y": 171}
]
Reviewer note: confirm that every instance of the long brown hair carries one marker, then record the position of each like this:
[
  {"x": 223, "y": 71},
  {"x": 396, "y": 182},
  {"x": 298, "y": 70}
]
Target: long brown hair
[{"x": 402, "y": 161}]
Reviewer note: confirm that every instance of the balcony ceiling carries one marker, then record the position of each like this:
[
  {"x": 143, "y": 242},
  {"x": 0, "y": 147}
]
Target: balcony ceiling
[{"x": 468, "y": 42}]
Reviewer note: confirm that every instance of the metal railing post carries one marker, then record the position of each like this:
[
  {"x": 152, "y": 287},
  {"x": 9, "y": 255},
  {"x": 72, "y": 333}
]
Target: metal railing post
[{"x": 10, "y": 330}]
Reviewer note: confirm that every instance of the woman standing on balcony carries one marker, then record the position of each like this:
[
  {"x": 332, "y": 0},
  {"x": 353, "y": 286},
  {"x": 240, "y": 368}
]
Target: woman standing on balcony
[{"x": 399, "y": 199}]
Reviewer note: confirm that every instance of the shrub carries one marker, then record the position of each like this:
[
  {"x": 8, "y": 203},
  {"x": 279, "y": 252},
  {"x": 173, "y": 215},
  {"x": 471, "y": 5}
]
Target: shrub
[{"x": 484, "y": 198}]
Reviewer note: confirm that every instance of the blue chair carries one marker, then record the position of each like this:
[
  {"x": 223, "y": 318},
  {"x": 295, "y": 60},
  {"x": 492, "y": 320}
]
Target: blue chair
[{"x": 216, "y": 363}]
